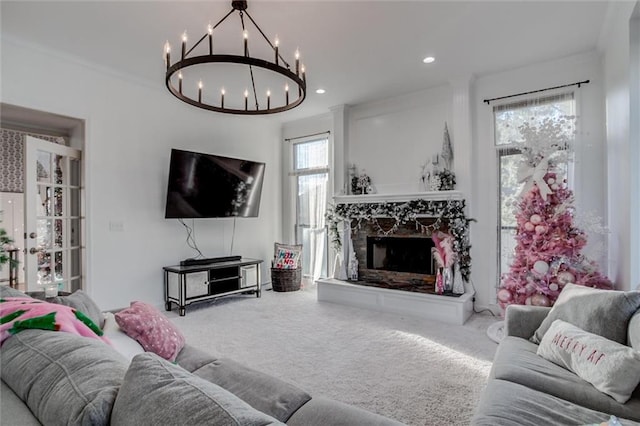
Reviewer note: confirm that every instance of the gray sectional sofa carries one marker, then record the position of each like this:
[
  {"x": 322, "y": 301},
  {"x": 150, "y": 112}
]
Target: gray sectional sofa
[
  {"x": 60, "y": 378},
  {"x": 526, "y": 389}
]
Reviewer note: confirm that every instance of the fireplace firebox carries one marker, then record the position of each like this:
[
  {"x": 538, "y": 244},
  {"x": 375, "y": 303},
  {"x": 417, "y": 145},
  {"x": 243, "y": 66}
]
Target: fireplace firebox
[{"x": 400, "y": 254}]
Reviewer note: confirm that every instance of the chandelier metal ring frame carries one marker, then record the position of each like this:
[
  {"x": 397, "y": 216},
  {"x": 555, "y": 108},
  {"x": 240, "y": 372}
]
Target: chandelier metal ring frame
[{"x": 299, "y": 79}]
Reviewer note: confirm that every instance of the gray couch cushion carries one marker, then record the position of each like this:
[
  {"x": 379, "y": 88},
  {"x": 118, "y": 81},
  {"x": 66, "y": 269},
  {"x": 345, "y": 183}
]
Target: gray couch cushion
[
  {"x": 634, "y": 331},
  {"x": 510, "y": 404},
  {"x": 523, "y": 320},
  {"x": 157, "y": 392},
  {"x": 55, "y": 373},
  {"x": 191, "y": 358},
  {"x": 602, "y": 312},
  {"x": 79, "y": 300},
  {"x": 325, "y": 412},
  {"x": 268, "y": 394},
  {"x": 12, "y": 410},
  {"x": 516, "y": 361}
]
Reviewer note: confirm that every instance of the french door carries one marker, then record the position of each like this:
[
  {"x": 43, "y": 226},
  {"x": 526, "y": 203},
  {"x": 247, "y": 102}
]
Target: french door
[{"x": 53, "y": 249}]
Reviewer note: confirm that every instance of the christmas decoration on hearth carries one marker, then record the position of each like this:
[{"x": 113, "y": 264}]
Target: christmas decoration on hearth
[
  {"x": 445, "y": 257},
  {"x": 446, "y": 180},
  {"x": 360, "y": 182},
  {"x": 548, "y": 244},
  {"x": 458, "y": 283},
  {"x": 428, "y": 178},
  {"x": 447, "y": 149},
  {"x": 426, "y": 174},
  {"x": 447, "y": 214},
  {"x": 437, "y": 174}
]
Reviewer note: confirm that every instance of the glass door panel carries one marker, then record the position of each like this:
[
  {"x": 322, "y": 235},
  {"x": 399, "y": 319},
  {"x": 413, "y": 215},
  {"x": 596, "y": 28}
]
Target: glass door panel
[{"x": 52, "y": 216}]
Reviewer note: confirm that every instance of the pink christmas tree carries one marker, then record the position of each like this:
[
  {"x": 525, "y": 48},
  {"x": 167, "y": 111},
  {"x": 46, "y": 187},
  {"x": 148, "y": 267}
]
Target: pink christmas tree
[{"x": 548, "y": 245}]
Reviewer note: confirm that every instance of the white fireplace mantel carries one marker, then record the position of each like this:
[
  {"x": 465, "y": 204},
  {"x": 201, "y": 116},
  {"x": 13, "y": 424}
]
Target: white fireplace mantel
[{"x": 398, "y": 198}]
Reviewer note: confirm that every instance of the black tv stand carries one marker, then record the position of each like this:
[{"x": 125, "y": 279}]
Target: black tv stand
[
  {"x": 209, "y": 260},
  {"x": 184, "y": 285}
]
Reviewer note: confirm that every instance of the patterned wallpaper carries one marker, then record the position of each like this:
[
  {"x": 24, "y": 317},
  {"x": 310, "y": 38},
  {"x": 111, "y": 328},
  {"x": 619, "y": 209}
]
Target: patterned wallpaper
[{"x": 12, "y": 158}]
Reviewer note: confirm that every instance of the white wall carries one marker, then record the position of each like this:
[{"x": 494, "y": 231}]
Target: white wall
[
  {"x": 393, "y": 138},
  {"x": 130, "y": 130},
  {"x": 590, "y": 176},
  {"x": 623, "y": 153}
]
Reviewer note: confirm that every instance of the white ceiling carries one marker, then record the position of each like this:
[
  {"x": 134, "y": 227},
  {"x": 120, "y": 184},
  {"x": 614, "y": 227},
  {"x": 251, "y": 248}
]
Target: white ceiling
[{"x": 357, "y": 50}]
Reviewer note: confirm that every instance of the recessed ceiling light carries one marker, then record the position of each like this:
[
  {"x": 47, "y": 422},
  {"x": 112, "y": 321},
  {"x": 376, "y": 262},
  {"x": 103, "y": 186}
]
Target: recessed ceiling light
[
  {"x": 320, "y": 91},
  {"x": 428, "y": 59}
]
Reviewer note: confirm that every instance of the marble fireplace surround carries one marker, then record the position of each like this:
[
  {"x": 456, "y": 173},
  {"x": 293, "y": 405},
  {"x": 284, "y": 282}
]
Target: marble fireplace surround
[{"x": 454, "y": 310}]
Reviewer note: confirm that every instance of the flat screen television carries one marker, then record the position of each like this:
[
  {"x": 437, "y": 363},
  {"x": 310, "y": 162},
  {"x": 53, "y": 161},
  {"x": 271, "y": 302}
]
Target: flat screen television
[{"x": 207, "y": 185}]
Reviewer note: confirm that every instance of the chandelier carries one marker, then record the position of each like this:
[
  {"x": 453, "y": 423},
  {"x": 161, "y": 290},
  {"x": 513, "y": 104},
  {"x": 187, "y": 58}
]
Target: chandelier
[{"x": 216, "y": 75}]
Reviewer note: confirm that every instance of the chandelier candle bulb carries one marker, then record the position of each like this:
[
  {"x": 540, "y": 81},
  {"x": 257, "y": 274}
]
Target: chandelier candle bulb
[
  {"x": 210, "y": 31},
  {"x": 222, "y": 98},
  {"x": 167, "y": 52},
  {"x": 276, "y": 44},
  {"x": 246, "y": 100},
  {"x": 245, "y": 35},
  {"x": 268, "y": 99},
  {"x": 304, "y": 76},
  {"x": 297, "y": 62},
  {"x": 180, "y": 82},
  {"x": 200, "y": 91},
  {"x": 286, "y": 93},
  {"x": 184, "y": 43}
]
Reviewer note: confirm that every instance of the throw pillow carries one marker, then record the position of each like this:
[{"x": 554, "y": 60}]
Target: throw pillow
[
  {"x": 287, "y": 256},
  {"x": 151, "y": 329},
  {"x": 155, "y": 390},
  {"x": 602, "y": 312},
  {"x": 610, "y": 367},
  {"x": 81, "y": 301},
  {"x": 64, "y": 379},
  {"x": 122, "y": 343}
]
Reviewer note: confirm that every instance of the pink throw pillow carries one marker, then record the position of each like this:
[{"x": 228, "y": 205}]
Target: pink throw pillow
[{"x": 151, "y": 329}]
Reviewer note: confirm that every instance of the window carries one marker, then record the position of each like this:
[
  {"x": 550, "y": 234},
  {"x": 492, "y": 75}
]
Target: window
[
  {"x": 310, "y": 183},
  {"x": 507, "y": 120}
]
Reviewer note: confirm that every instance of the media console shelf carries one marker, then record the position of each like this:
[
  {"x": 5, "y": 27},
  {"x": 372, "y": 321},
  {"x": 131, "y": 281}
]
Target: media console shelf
[{"x": 184, "y": 285}]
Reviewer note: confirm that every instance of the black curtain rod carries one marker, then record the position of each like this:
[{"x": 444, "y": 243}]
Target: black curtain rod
[
  {"x": 579, "y": 83},
  {"x": 308, "y": 136}
]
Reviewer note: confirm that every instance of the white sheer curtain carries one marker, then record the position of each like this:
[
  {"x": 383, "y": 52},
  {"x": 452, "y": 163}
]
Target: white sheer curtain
[
  {"x": 317, "y": 238},
  {"x": 311, "y": 172}
]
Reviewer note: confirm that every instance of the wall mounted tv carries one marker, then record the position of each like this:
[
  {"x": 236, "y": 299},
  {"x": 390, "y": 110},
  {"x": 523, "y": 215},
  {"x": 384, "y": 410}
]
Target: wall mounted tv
[{"x": 207, "y": 185}]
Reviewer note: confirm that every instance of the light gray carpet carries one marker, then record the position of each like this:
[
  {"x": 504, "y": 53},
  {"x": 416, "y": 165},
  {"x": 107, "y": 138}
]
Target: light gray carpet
[{"x": 412, "y": 370}]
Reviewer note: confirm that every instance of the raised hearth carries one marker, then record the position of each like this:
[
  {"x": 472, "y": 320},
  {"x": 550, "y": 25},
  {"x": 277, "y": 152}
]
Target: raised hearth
[{"x": 452, "y": 310}]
